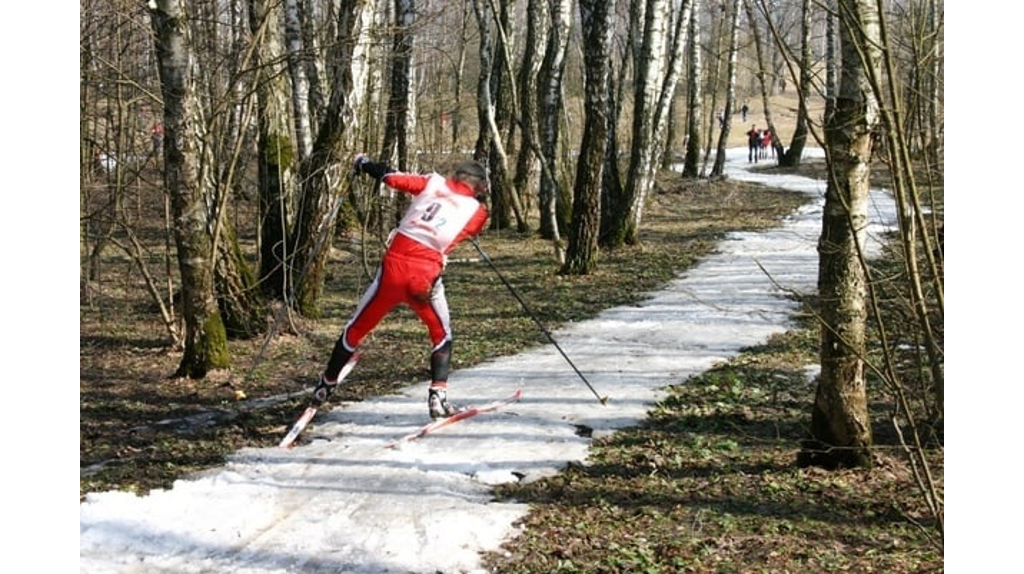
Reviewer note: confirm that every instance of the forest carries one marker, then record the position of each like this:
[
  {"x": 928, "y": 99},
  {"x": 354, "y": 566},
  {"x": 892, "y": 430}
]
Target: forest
[{"x": 219, "y": 212}]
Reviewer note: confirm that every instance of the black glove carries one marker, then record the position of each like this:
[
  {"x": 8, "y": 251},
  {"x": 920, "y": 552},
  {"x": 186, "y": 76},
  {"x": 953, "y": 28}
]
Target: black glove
[
  {"x": 373, "y": 169},
  {"x": 357, "y": 165}
]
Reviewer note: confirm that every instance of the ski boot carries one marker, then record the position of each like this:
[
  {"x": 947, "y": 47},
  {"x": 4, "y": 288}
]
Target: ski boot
[
  {"x": 437, "y": 402},
  {"x": 323, "y": 391}
]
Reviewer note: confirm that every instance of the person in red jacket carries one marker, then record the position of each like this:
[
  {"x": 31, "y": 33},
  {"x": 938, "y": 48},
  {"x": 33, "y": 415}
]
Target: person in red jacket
[
  {"x": 443, "y": 212},
  {"x": 766, "y": 144}
]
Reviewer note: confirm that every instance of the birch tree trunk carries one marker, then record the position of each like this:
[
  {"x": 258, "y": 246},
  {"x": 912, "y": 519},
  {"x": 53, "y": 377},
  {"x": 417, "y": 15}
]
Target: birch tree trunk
[
  {"x": 935, "y": 86},
  {"x": 831, "y": 59},
  {"x": 694, "y": 116},
  {"x": 276, "y": 146},
  {"x": 596, "y": 17},
  {"x": 553, "y": 191},
  {"x": 792, "y": 156},
  {"x": 313, "y": 60},
  {"x": 661, "y": 55},
  {"x": 643, "y": 158},
  {"x": 528, "y": 167},
  {"x": 730, "y": 90},
  {"x": 840, "y": 433},
  {"x": 398, "y": 123},
  {"x": 297, "y": 70},
  {"x": 320, "y": 175},
  {"x": 485, "y": 102},
  {"x": 490, "y": 145},
  {"x": 459, "y": 79},
  {"x": 191, "y": 189}
]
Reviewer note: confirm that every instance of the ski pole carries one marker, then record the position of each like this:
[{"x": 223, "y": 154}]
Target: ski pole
[{"x": 603, "y": 400}]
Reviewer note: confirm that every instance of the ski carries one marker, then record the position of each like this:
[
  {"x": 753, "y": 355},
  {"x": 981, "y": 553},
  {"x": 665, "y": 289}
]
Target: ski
[
  {"x": 462, "y": 415},
  {"x": 314, "y": 406}
]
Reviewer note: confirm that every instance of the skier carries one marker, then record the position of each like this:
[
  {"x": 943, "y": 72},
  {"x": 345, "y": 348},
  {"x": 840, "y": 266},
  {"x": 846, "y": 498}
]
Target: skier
[{"x": 444, "y": 211}]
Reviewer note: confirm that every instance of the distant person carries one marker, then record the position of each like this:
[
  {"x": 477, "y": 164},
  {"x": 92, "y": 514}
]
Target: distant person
[
  {"x": 745, "y": 109},
  {"x": 721, "y": 119},
  {"x": 766, "y": 144},
  {"x": 753, "y": 144}
]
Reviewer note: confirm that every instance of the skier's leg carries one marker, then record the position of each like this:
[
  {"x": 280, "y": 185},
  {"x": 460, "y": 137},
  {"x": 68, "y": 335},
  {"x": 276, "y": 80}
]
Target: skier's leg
[
  {"x": 434, "y": 314},
  {"x": 377, "y": 301}
]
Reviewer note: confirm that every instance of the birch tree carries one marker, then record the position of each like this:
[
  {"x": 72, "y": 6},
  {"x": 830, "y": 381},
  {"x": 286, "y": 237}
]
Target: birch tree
[
  {"x": 840, "y": 432},
  {"x": 321, "y": 174},
  {"x": 528, "y": 161},
  {"x": 276, "y": 147},
  {"x": 298, "y": 71},
  {"x": 694, "y": 95},
  {"x": 596, "y": 18},
  {"x": 490, "y": 147},
  {"x": 191, "y": 188},
  {"x": 400, "y": 115},
  {"x": 730, "y": 89},
  {"x": 229, "y": 106},
  {"x": 553, "y": 191},
  {"x": 659, "y": 63},
  {"x": 459, "y": 76},
  {"x": 791, "y": 157}
]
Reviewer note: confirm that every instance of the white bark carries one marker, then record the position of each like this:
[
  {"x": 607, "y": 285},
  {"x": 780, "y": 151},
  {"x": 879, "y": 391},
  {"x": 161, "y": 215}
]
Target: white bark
[
  {"x": 659, "y": 63},
  {"x": 300, "y": 82},
  {"x": 840, "y": 414},
  {"x": 694, "y": 96},
  {"x": 550, "y": 110},
  {"x": 730, "y": 96}
]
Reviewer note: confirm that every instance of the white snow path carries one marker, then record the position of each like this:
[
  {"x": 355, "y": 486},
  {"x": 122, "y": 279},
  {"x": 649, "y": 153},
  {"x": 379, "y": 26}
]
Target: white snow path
[{"x": 346, "y": 504}]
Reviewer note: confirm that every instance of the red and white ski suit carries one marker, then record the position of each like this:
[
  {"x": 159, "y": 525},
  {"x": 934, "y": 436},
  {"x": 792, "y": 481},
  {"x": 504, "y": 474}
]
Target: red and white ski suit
[{"x": 443, "y": 213}]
